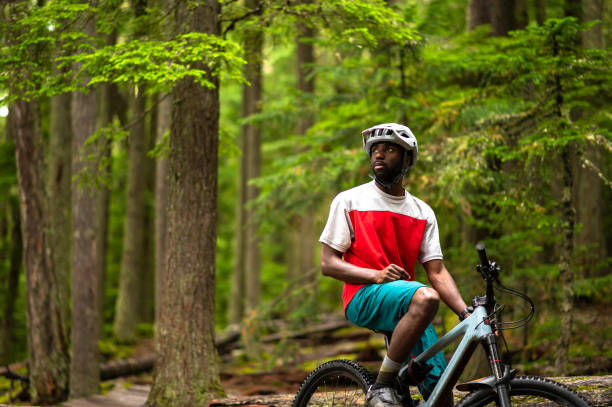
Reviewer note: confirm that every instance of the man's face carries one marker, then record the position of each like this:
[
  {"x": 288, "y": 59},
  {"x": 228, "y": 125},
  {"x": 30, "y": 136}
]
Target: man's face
[{"x": 386, "y": 160}]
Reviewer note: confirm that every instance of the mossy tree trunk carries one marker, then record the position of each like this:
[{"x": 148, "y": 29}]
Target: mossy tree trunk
[
  {"x": 47, "y": 340},
  {"x": 186, "y": 372},
  {"x": 46, "y": 329}
]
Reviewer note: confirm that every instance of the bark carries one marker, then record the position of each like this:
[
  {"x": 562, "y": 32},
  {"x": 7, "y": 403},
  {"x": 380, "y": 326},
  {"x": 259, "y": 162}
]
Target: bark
[
  {"x": 127, "y": 311},
  {"x": 588, "y": 191},
  {"x": 147, "y": 298},
  {"x": 47, "y": 341},
  {"x": 85, "y": 262},
  {"x": 105, "y": 119},
  {"x": 303, "y": 238},
  {"x": 568, "y": 215},
  {"x": 573, "y": 8},
  {"x": 252, "y": 96},
  {"x": 161, "y": 200},
  {"x": 46, "y": 330},
  {"x": 540, "y": 11},
  {"x": 58, "y": 187},
  {"x": 186, "y": 371},
  {"x": 593, "y": 10},
  {"x": 246, "y": 284},
  {"x": 566, "y": 274},
  {"x": 236, "y": 300},
  {"x": 520, "y": 14},
  {"x": 12, "y": 231},
  {"x": 478, "y": 13},
  {"x": 502, "y": 17}
]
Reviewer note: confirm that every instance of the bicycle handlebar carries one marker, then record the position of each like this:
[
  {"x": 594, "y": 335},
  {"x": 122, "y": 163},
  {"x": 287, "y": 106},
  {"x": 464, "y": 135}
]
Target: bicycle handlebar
[{"x": 482, "y": 254}]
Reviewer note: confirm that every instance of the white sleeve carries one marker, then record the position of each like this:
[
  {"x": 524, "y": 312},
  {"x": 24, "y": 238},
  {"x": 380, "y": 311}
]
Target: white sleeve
[
  {"x": 337, "y": 233},
  {"x": 430, "y": 245}
]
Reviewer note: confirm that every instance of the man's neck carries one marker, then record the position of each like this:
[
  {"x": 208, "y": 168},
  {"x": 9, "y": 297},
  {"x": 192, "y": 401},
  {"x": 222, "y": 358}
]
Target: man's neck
[{"x": 396, "y": 189}]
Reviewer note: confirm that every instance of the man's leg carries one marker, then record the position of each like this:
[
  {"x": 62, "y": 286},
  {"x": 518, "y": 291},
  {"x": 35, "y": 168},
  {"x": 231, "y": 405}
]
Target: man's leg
[
  {"x": 408, "y": 331},
  {"x": 404, "y": 307},
  {"x": 422, "y": 310}
]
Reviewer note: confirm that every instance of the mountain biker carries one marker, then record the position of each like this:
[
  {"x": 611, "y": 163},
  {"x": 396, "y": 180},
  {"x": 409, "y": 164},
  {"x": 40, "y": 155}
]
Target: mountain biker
[{"x": 375, "y": 234}]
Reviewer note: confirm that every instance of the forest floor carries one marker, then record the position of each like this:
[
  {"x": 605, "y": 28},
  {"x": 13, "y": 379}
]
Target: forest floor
[
  {"x": 281, "y": 364},
  {"x": 273, "y": 378}
]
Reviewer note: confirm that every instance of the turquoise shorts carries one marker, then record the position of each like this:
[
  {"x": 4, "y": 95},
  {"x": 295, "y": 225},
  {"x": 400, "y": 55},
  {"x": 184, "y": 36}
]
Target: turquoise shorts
[{"x": 381, "y": 306}]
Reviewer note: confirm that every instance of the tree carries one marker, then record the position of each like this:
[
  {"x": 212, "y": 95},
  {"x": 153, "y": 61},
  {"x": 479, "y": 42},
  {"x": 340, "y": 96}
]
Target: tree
[
  {"x": 11, "y": 249},
  {"x": 131, "y": 283},
  {"x": 246, "y": 284},
  {"x": 187, "y": 374},
  {"x": 161, "y": 199},
  {"x": 478, "y": 13},
  {"x": 58, "y": 187},
  {"x": 85, "y": 262},
  {"x": 301, "y": 253},
  {"x": 47, "y": 338}
]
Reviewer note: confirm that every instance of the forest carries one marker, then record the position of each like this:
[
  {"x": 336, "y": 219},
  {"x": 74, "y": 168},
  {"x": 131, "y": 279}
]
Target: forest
[{"x": 167, "y": 167}]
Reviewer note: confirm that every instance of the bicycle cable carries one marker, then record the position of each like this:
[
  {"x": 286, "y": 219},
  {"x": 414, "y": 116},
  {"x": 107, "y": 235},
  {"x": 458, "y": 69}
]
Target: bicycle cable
[{"x": 520, "y": 322}]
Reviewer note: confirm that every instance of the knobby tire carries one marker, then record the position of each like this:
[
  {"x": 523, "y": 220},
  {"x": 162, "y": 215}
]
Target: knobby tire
[
  {"x": 527, "y": 391},
  {"x": 336, "y": 383}
]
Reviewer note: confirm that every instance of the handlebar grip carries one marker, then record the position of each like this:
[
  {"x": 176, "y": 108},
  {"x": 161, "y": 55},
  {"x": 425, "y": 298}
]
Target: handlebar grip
[{"x": 482, "y": 253}]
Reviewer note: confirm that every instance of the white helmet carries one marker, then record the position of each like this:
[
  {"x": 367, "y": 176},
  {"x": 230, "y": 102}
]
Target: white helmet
[{"x": 391, "y": 133}]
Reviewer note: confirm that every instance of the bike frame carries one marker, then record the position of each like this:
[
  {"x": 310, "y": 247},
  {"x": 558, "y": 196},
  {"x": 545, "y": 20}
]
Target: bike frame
[{"x": 474, "y": 329}]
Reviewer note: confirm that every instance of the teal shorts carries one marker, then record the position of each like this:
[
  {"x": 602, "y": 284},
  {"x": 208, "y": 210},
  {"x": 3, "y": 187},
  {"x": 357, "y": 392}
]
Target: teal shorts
[{"x": 381, "y": 306}]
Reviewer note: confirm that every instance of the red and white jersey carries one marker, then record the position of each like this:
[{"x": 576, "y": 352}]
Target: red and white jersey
[{"x": 374, "y": 229}]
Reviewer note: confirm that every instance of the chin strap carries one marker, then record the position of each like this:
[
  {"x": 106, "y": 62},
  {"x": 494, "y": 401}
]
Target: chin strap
[{"x": 385, "y": 185}]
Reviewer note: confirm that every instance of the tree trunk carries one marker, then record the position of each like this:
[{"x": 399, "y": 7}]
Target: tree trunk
[
  {"x": 47, "y": 341},
  {"x": 86, "y": 318},
  {"x": 58, "y": 187},
  {"x": 540, "y": 11},
  {"x": 132, "y": 261},
  {"x": 588, "y": 192},
  {"x": 12, "y": 234},
  {"x": 252, "y": 134},
  {"x": 186, "y": 372},
  {"x": 147, "y": 275},
  {"x": 161, "y": 201},
  {"x": 521, "y": 16},
  {"x": 573, "y": 8},
  {"x": 303, "y": 237},
  {"x": 478, "y": 13},
  {"x": 502, "y": 16},
  {"x": 568, "y": 215},
  {"x": 566, "y": 274},
  {"x": 105, "y": 118},
  {"x": 236, "y": 301}
]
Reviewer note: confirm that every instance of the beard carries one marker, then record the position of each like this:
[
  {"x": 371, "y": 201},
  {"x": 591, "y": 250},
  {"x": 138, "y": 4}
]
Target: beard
[{"x": 387, "y": 174}]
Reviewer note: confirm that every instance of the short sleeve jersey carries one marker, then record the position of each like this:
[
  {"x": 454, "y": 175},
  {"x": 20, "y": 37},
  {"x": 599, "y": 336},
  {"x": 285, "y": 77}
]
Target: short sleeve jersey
[{"x": 374, "y": 229}]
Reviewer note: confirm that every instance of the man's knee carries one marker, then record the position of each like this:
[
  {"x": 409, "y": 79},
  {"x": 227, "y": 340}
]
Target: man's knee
[{"x": 426, "y": 299}]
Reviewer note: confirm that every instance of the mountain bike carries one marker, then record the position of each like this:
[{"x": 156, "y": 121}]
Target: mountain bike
[{"x": 343, "y": 382}]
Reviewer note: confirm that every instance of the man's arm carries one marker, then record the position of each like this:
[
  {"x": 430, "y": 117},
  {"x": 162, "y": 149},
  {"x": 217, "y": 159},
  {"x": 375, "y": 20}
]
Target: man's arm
[
  {"x": 333, "y": 265},
  {"x": 442, "y": 281}
]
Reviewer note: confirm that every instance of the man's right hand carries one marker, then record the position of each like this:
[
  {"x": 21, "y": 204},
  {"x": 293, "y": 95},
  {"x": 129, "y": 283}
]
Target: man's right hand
[{"x": 392, "y": 272}]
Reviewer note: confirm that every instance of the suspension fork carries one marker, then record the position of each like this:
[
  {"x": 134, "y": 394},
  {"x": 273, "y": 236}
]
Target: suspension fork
[{"x": 501, "y": 377}]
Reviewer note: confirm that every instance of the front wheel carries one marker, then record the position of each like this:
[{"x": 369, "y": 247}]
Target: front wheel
[
  {"x": 527, "y": 391},
  {"x": 336, "y": 383}
]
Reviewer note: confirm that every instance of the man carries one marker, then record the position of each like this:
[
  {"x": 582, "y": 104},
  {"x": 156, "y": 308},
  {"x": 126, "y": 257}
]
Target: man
[{"x": 373, "y": 238}]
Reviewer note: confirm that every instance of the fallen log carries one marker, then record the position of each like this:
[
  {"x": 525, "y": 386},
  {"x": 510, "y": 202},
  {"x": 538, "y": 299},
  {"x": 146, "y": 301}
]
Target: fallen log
[{"x": 132, "y": 366}]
